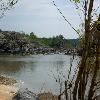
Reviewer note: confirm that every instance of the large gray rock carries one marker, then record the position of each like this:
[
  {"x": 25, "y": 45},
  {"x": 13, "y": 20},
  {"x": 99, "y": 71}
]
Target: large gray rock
[{"x": 25, "y": 94}]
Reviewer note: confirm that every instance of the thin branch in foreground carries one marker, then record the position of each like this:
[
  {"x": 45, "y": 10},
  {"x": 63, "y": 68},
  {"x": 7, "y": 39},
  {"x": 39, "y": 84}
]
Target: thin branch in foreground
[{"x": 65, "y": 18}]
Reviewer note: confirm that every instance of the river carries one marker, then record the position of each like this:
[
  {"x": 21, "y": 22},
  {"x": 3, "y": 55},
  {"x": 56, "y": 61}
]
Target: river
[{"x": 37, "y": 72}]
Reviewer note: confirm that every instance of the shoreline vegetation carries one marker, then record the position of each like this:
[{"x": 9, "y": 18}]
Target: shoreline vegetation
[{"x": 19, "y": 43}]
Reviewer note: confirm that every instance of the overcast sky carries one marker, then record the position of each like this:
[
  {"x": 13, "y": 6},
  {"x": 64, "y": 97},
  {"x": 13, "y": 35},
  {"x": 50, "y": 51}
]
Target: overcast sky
[{"x": 42, "y": 18}]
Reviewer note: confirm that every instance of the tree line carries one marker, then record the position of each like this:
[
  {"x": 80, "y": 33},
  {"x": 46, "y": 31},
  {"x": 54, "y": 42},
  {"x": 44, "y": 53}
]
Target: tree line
[{"x": 11, "y": 41}]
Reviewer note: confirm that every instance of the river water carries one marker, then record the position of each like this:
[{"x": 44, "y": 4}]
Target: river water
[{"x": 37, "y": 72}]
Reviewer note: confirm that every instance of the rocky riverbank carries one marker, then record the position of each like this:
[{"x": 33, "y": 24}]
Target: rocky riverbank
[
  {"x": 12, "y": 43},
  {"x": 8, "y": 91}
]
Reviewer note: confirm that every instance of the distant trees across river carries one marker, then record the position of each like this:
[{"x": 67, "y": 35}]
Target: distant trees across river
[{"x": 19, "y": 42}]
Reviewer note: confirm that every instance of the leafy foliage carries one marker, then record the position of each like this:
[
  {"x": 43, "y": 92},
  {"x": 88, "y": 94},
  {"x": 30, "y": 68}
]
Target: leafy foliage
[{"x": 76, "y": 1}]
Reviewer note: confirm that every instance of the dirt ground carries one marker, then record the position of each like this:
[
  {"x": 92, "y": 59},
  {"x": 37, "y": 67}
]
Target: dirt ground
[
  {"x": 47, "y": 96},
  {"x": 7, "y": 90}
]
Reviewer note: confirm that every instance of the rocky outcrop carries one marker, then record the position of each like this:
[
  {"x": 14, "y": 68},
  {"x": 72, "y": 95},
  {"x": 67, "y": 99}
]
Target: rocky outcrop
[
  {"x": 7, "y": 81},
  {"x": 25, "y": 94}
]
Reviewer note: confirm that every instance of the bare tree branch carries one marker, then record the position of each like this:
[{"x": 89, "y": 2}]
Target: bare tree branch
[{"x": 65, "y": 18}]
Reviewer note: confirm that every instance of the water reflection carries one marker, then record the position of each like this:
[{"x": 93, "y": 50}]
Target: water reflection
[
  {"x": 35, "y": 70},
  {"x": 11, "y": 66}
]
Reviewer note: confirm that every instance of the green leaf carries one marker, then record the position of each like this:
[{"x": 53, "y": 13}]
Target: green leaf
[
  {"x": 98, "y": 22},
  {"x": 76, "y": 1},
  {"x": 78, "y": 30}
]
